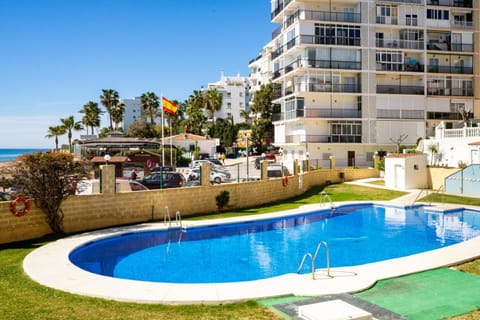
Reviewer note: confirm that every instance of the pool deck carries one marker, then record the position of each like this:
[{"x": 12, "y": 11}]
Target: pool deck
[{"x": 50, "y": 266}]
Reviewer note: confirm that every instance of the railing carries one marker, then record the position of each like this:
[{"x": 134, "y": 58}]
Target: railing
[
  {"x": 451, "y": 3},
  {"x": 325, "y": 197},
  {"x": 424, "y": 190},
  {"x": 401, "y": 44},
  {"x": 314, "y": 257},
  {"x": 167, "y": 218},
  {"x": 450, "y": 69},
  {"x": 400, "y": 89}
]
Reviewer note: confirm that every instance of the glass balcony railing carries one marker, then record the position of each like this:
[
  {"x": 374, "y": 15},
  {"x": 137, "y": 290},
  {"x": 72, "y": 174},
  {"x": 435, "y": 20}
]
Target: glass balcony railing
[{"x": 400, "y": 89}]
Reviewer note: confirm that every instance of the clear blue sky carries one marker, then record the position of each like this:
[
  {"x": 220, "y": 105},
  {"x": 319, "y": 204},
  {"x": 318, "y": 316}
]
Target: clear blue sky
[{"x": 56, "y": 55}]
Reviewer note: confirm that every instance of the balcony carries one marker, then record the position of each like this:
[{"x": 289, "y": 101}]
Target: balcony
[
  {"x": 400, "y": 44},
  {"x": 450, "y": 69},
  {"x": 450, "y": 3},
  {"x": 330, "y": 40},
  {"x": 332, "y": 113},
  {"x": 400, "y": 89},
  {"x": 444, "y": 46},
  {"x": 347, "y": 88},
  {"x": 406, "y": 67},
  {"x": 446, "y": 92},
  {"x": 332, "y": 16},
  {"x": 307, "y": 138}
]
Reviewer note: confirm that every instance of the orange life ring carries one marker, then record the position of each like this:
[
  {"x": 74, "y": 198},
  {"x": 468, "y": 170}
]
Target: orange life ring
[
  {"x": 285, "y": 181},
  {"x": 20, "y": 206}
]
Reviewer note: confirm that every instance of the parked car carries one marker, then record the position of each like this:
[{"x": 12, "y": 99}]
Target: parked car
[
  {"x": 163, "y": 168},
  {"x": 92, "y": 186},
  {"x": 215, "y": 161},
  {"x": 169, "y": 180},
  {"x": 215, "y": 177},
  {"x": 277, "y": 171},
  {"x": 270, "y": 158},
  {"x": 215, "y": 168}
]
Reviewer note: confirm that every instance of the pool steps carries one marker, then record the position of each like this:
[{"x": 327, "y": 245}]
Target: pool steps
[{"x": 314, "y": 257}]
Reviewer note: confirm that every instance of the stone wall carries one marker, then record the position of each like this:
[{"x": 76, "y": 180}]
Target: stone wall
[{"x": 90, "y": 212}]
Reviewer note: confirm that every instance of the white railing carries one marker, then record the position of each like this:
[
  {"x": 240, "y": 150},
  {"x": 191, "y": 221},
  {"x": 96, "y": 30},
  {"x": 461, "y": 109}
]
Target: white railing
[{"x": 466, "y": 132}]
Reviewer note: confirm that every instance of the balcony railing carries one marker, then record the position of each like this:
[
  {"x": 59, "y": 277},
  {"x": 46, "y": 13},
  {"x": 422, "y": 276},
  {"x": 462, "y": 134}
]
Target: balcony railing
[
  {"x": 340, "y": 41},
  {"x": 451, "y": 3},
  {"x": 332, "y": 113},
  {"x": 401, "y": 44},
  {"x": 349, "y": 88},
  {"x": 405, "y": 1},
  {"x": 457, "y": 92},
  {"x": 450, "y": 69},
  {"x": 400, "y": 89},
  {"x": 462, "y": 24},
  {"x": 443, "y": 46},
  {"x": 332, "y": 16},
  {"x": 400, "y": 67}
]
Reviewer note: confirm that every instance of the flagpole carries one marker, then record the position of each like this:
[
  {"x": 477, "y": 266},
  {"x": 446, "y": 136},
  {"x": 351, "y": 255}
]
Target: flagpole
[
  {"x": 163, "y": 136},
  {"x": 171, "y": 131}
]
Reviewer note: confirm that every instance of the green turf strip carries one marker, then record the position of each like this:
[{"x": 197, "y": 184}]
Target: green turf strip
[{"x": 434, "y": 294}]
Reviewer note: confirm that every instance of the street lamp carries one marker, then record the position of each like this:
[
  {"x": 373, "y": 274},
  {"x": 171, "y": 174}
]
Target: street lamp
[{"x": 106, "y": 158}]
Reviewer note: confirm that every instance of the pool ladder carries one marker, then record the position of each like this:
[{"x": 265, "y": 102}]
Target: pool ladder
[
  {"x": 166, "y": 218},
  {"x": 324, "y": 198},
  {"x": 314, "y": 257}
]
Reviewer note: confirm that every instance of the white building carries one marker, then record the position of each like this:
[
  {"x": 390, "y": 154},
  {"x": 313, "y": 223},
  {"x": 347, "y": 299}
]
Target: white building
[
  {"x": 133, "y": 112},
  {"x": 355, "y": 76},
  {"x": 236, "y": 94},
  {"x": 406, "y": 171}
]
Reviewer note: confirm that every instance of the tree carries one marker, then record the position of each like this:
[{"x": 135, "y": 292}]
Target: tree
[
  {"x": 433, "y": 148},
  {"x": 69, "y": 124},
  {"x": 55, "y": 131},
  {"x": 91, "y": 115},
  {"x": 399, "y": 141},
  {"x": 109, "y": 99},
  {"x": 142, "y": 129},
  {"x": 150, "y": 104},
  {"x": 261, "y": 113},
  {"x": 48, "y": 179},
  {"x": 117, "y": 112},
  {"x": 212, "y": 102}
]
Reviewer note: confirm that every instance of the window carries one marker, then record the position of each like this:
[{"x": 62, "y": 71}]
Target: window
[
  {"x": 346, "y": 131},
  {"x": 411, "y": 19},
  {"x": 229, "y": 105},
  {"x": 229, "y": 95},
  {"x": 436, "y": 14}
]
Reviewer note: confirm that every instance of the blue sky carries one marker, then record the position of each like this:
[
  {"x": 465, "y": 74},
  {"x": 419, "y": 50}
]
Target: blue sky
[{"x": 59, "y": 54}]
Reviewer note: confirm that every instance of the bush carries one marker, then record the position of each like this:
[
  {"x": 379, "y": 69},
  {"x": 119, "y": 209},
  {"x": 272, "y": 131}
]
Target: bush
[{"x": 222, "y": 200}]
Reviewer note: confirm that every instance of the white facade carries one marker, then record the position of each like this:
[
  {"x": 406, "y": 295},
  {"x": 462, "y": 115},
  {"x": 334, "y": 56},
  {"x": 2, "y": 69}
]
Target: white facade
[
  {"x": 236, "y": 94},
  {"x": 355, "y": 76},
  {"x": 133, "y": 112},
  {"x": 406, "y": 171},
  {"x": 453, "y": 146}
]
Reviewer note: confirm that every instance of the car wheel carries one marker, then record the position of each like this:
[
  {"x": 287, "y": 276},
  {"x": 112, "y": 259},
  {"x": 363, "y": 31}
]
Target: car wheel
[{"x": 217, "y": 180}]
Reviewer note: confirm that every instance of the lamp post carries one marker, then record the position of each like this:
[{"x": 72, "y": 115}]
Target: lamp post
[
  {"x": 246, "y": 148},
  {"x": 106, "y": 158}
]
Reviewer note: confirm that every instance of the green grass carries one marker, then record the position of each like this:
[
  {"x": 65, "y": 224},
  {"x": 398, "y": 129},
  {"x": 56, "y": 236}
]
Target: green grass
[
  {"x": 337, "y": 192},
  {"x": 24, "y": 299},
  {"x": 447, "y": 198}
]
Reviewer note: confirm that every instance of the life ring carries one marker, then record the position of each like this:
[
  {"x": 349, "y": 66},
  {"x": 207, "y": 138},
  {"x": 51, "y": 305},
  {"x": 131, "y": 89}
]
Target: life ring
[
  {"x": 20, "y": 206},
  {"x": 285, "y": 181}
]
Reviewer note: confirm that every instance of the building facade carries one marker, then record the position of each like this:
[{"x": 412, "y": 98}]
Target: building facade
[
  {"x": 235, "y": 91},
  {"x": 133, "y": 112},
  {"x": 355, "y": 76}
]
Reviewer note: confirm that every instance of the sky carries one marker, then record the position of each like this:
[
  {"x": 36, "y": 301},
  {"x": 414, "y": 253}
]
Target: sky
[{"x": 57, "y": 55}]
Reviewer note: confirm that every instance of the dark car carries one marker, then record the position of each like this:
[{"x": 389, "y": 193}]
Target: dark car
[
  {"x": 170, "y": 180},
  {"x": 258, "y": 161}
]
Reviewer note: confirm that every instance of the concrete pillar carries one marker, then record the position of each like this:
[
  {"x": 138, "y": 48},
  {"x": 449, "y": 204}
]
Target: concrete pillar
[
  {"x": 296, "y": 167},
  {"x": 205, "y": 174},
  {"x": 264, "y": 170},
  {"x": 107, "y": 179},
  {"x": 333, "y": 163}
]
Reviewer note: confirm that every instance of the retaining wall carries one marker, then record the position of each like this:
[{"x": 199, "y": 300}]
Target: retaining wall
[{"x": 89, "y": 212}]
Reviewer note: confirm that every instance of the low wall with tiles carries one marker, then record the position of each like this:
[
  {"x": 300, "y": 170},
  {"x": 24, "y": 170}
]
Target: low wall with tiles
[{"x": 89, "y": 212}]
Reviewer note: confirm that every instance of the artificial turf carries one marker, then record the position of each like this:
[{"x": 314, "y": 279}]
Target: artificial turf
[{"x": 429, "y": 295}]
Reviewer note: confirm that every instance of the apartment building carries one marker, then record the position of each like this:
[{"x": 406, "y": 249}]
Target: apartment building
[
  {"x": 355, "y": 77},
  {"x": 133, "y": 112},
  {"x": 235, "y": 91}
]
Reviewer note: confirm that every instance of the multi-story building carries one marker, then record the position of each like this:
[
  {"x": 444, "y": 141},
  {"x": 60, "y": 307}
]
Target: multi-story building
[
  {"x": 235, "y": 93},
  {"x": 358, "y": 76},
  {"x": 133, "y": 112}
]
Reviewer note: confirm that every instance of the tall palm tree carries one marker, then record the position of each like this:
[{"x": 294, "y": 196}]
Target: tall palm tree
[
  {"x": 69, "y": 124},
  {"x": 55, "y": 131},
  {"x": 91, "y": 115},
  {"x": 117, "y": 112},
  {"x": 213, "y": 102},
  {"x": 109, "y": 99},
  {"x": 150, "y": 104}
]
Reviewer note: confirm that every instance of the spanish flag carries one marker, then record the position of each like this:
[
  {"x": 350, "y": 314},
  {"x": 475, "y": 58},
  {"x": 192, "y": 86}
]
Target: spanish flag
[{"x": 169, "y": 106}]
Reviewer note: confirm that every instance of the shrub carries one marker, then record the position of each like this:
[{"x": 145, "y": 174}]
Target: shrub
[{"x": 222, "y": 199}]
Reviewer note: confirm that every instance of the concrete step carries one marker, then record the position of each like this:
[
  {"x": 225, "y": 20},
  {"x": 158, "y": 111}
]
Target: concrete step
[{"x": 333, "y": 310}]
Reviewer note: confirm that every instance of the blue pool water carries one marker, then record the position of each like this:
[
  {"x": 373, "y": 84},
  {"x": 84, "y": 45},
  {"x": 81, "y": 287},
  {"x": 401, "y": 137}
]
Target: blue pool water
[{"x": 254, "y": 250}]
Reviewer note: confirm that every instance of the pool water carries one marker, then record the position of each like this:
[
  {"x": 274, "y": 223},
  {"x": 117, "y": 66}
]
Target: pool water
[{"x": 356, "y": 234}]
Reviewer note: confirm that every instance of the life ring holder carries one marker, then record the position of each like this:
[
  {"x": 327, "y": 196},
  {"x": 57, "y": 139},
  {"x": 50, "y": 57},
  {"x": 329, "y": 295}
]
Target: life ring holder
[
  {"x": 285, "y": 181},
  {"x": 20, "y": 206}
]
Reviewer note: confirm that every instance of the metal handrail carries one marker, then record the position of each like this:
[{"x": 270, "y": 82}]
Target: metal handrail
[
  {"x": 166, "y": 216},
  {"x": 314, "y": 257},
  {"x": 441, "y": 190},
  {"x": 325, "y": 196},
  {"x": 420, "y": 193},
  {"x": 178, "y": 218}
]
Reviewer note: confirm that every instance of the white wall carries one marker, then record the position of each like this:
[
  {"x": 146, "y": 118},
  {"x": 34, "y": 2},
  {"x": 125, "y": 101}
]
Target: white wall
[{"x": 407, "y": 171}]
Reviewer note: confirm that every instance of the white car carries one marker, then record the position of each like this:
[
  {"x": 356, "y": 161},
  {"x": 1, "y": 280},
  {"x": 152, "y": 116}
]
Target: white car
[
  {"x": 92, "y": 186},
  {"x": 215, "y": 177}
]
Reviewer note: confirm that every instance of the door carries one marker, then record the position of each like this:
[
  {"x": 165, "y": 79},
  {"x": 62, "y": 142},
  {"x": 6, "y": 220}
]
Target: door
[{"x": 351, "y": 158}]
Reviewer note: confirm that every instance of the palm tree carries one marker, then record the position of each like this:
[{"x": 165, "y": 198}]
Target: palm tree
[
  {"x": 117, "y": 112},
  {"x": 69, "y": 124},
  {"x": 55, "y": 131},
  {"x": 213, "y": 102},
  {"x": 150, "y": 104},
  {"x": 109, "y": 99},
  {"x": 91, "y": 115},
  {"x": 245, "y": 115}
]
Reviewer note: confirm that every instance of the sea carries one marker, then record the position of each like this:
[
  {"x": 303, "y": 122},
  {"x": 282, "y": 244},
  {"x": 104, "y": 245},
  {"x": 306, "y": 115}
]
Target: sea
[{"x": 12, "y": 154}]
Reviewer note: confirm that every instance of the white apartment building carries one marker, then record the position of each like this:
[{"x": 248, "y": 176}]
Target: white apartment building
[
  {"x": 236, "y": 95},
  {"x": 355, "y": 76},
  {"x": 133, "y": 112}
]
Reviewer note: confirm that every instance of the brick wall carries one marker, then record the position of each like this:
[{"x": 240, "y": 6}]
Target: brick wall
[{"x": 89, "y": 212}]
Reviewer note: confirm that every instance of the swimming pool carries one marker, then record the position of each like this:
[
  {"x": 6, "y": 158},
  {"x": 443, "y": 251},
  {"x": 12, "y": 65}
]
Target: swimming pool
[{"x": 253, "y": 250}]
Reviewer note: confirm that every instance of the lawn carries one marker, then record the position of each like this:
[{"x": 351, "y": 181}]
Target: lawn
[{"x": 24, "y": 299}]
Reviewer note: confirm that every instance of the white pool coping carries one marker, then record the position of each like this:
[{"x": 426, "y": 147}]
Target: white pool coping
[{"x": 49, "y": 265}]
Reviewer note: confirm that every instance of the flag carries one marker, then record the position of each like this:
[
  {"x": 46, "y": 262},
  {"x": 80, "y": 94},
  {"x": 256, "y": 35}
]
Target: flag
[{"x": 169, "y": 106}]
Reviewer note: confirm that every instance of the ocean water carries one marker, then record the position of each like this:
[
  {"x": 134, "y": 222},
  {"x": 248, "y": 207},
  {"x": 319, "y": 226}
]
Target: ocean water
[{"x": 12, "y": 154}]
